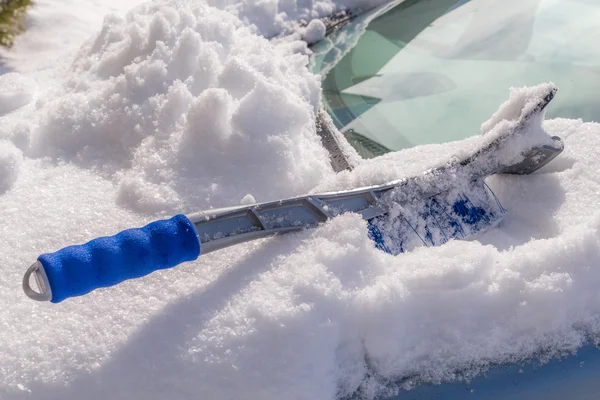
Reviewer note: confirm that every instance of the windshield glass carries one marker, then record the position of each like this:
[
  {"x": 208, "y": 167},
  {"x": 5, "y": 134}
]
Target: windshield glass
[{"x": 431, "y": 71}]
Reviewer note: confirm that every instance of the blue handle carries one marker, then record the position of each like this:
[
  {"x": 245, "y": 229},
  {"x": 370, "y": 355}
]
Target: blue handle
[{"x": 106, "y": 261}]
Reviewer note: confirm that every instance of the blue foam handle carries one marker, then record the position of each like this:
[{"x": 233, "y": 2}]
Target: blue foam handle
[{"x": 133, "y": 253}]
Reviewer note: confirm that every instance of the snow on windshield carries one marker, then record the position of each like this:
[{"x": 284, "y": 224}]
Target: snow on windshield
[{"x": 180, "y": 106}]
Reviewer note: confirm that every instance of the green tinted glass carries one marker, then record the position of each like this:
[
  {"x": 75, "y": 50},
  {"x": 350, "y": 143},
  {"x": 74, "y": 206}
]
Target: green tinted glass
[{"x": 431, "y": 71}]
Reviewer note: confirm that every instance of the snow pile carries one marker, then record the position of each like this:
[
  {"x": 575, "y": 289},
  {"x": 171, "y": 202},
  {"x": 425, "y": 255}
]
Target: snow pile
[
  {"x": 163, "y": 95},
  {"x": 182, "y": 106}
]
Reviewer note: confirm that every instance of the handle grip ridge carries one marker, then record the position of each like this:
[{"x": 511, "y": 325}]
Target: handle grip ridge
[{"x": 132, "y": 253}]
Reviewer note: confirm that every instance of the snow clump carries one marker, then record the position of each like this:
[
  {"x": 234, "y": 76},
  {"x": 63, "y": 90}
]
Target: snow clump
[{"x": 315, "y": 31}]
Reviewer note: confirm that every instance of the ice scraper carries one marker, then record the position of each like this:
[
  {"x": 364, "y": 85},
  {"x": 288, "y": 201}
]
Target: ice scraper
[{"x": 448, "y": 202}]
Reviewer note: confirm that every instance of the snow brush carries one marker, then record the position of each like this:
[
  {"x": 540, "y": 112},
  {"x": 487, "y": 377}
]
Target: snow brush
[{"x": 447, "y": 202}]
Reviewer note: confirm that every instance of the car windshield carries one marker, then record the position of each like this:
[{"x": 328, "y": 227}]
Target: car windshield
[{"x": 431, "y": 71}]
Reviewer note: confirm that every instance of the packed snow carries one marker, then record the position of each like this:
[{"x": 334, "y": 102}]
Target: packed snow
[{"x": 179, "y": 106}]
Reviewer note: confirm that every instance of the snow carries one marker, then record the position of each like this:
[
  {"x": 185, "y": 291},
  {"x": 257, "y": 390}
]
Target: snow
[
  {"x": 54, "y": 32},
  {"x": 315, "y": 31},
  {"x": 180, "y": 106},
  {"x": 10, "y": 161},
  {"x": 522, "y": 101},
  {"x": 162, "y": 96},
  {"x": 17, "y": 92}
]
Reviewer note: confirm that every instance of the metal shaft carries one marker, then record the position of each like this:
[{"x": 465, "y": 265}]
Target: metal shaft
[{"x": 224, "y": 227}]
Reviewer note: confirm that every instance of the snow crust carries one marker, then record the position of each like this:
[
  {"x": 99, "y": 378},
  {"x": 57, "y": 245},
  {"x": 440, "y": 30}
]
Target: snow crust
[{"x": 181, "y": 106}]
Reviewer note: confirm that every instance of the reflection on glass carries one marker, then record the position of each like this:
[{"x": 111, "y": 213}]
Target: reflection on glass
[{"x": 431, "y": 71}]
